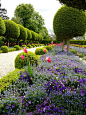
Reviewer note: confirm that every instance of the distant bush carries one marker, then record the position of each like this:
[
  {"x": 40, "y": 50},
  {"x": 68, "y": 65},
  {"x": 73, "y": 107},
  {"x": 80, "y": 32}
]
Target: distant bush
[{"x": 4, "y": 49}]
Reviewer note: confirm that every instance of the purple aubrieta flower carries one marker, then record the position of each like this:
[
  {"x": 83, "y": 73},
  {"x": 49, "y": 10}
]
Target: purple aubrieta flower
[{"x": 85, "y": 105}]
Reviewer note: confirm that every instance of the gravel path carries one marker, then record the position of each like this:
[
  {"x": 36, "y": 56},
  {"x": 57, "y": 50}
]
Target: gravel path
[{"x": 7, "y": 61}]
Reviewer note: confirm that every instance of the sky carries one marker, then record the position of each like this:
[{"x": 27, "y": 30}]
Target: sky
[{"x": 46, "y": 8}]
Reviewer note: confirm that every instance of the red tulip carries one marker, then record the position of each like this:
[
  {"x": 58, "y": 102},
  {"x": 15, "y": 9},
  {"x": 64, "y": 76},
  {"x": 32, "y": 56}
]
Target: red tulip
[
  {"x": 55, "y": 44},
  {"x": 22, "y": 57},
  {"x": 48, "y": 59},
  {"x": 44, "y": 50},
  {"x": 65, "y": 48},
  {"x": 15, "y": 43},
  {"x": 52, "y": 42},
  {"x": 25, "y": 50},
  {"x": 10, "y": 43}
]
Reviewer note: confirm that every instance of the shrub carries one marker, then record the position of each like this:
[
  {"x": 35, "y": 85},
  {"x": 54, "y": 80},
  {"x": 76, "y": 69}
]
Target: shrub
[
  {"x": 40, "y": 51},
  {"x": 0, "y": 51},
  {"x": 13, "y": 49},
  {"x": 24, "y": 46},
  {"x": 48, "y": 47},
  {"x": 29, "y": 45},
  {"x": 17, "y": 47},
  {"x": 29, "y": 57},
  {"x": 4, "y": 49}
]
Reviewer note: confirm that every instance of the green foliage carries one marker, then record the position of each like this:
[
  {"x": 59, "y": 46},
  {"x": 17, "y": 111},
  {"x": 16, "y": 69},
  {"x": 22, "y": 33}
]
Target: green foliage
[
  {"x": 17, "y": 47},
  {"x": 13, "y": 49},
  {"x": 29, "y": 45},
  {"x": 2, "y": 27},
  {"x": 29, "y": 57},
  {"x": 23, "y": 32},
  {"x": 24, "y": 46},
  {"x": 40, "y": 51},
  {"x": 12, "y": 30},
  {"x": 79, "y": 4},
  {"x": 17, "y": 20},
  {"x": 29, "y": 35},
  {"x": 7, "y": 79},
  {"x": 73, "y": 51},
  {"x": 33, "y": 35},
  {"x": 4, "y": 49},
  {"x": 48, "y": 47},
  {"x": 69, "y": 22},
  {"x": 24, "y": 11}
]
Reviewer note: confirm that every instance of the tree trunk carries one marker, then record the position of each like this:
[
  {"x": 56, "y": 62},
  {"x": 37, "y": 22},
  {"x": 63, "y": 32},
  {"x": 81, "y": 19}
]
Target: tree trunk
[
  {"x": 8, "y": 41},
  {"x": 68, "y": 44},
  {"x": 63, "y": 42}
]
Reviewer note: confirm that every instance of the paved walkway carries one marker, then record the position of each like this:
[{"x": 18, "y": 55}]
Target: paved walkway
[{"x": 7, "y": 61}]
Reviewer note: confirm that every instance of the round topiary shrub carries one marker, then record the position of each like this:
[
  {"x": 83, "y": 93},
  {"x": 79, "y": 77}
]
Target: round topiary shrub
[
  {"x": 48, "y": 47},
  {"x": 17, "y": 47},
  {"x": 4, "y": 49},
  {"x": 29, "y": 57},
  {"x": 40, "y": 51},
  {"x": 24, "y": 46}
]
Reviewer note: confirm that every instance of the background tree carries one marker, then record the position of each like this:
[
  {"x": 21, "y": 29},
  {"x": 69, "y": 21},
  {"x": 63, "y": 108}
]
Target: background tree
[
  {"x": 44, "y": 33},
  {"x": 24, "y": 11},
  {"x": 79, "y": 4},
  {"x": 23, "y": 33},
  {"x": 69, "y": 22},
  {"x": 35, "y": 23},
  {"x": 12, "y": 30},
  {"x": 3, "y": 13},
  {"x": 17, "y": 20}
]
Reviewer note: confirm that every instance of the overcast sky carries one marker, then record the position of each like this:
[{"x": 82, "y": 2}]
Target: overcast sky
[{"x": 46, "y": 8}]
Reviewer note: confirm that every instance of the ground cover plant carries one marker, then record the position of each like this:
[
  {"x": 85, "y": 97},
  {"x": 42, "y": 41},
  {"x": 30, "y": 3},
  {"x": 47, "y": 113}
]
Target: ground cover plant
[{"x": 58, "y": 87}]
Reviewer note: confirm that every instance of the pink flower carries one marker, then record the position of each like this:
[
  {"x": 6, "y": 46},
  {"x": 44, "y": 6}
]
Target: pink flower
[
  {"x": 44, "y": 50},
  {"x": 48, "y": 59},
  {"x": 10, "y": 43},
  {"x": 82, "y": 47},
  {"x": 55, "y": 44},
  {"x": 52, "y": 42},
  {"x": 25, "y": 50},
  {"x": 65, "y": 48},
  {"x": 15, "y": 43},
  {"x": 6, "y": 42},
  {"x": 22, "y": 57}
]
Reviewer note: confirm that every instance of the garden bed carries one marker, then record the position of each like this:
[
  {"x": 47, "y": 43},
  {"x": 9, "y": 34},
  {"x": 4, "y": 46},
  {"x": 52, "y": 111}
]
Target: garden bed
[{"x": 56, "y": 88}]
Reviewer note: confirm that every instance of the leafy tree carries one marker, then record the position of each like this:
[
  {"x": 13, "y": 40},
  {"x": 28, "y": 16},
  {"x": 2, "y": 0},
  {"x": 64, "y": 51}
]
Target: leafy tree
[
  {"x": 2, "y": 27},
  {"x": 24, "y": 11},
  {"x": 35, "y": 23},
  {"x": 44, "y": 33},
  {"x": 79, "y": 4},
  {"x": 17, "y": 20},
  {"x": 23, "y": 33},
  {"x": 12, "y": 30},
  {"x": 3, "y": 13},
  {"x": 29, "y": 18},
  {"x": 69, "y": 22}
]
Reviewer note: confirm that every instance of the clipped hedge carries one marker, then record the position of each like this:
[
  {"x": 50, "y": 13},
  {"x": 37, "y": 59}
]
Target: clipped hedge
[
  {"x": 29, "y": 57},
  {"x": 17, "y": 47},
  {"x": 48, "y": 47},
  {"x": 40, "y": 51},
  {"x": 4, "y": 49}
]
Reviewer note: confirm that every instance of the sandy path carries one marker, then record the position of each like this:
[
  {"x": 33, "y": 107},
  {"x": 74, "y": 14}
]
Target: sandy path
[{"x": 7, "y": 61}]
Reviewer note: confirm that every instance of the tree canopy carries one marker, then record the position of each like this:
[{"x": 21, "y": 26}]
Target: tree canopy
[
  {"x": 79, "y": 4},
  {"x": 69, "y": 22}
]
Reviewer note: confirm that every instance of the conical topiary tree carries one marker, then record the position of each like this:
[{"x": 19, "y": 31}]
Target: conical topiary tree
[
  {"x": 12, "y": 30},
  {"x": 69, "y": 22},
  {"x": 2, "y": 27}
]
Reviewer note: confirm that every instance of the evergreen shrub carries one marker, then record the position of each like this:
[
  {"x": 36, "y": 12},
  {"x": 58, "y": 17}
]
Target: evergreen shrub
[
  {"x": 4, "y": 49},
  {"x": 29, "y": 57},
  {"x": 17, "y": 47},
  {"x": 40, "y": 51}
]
